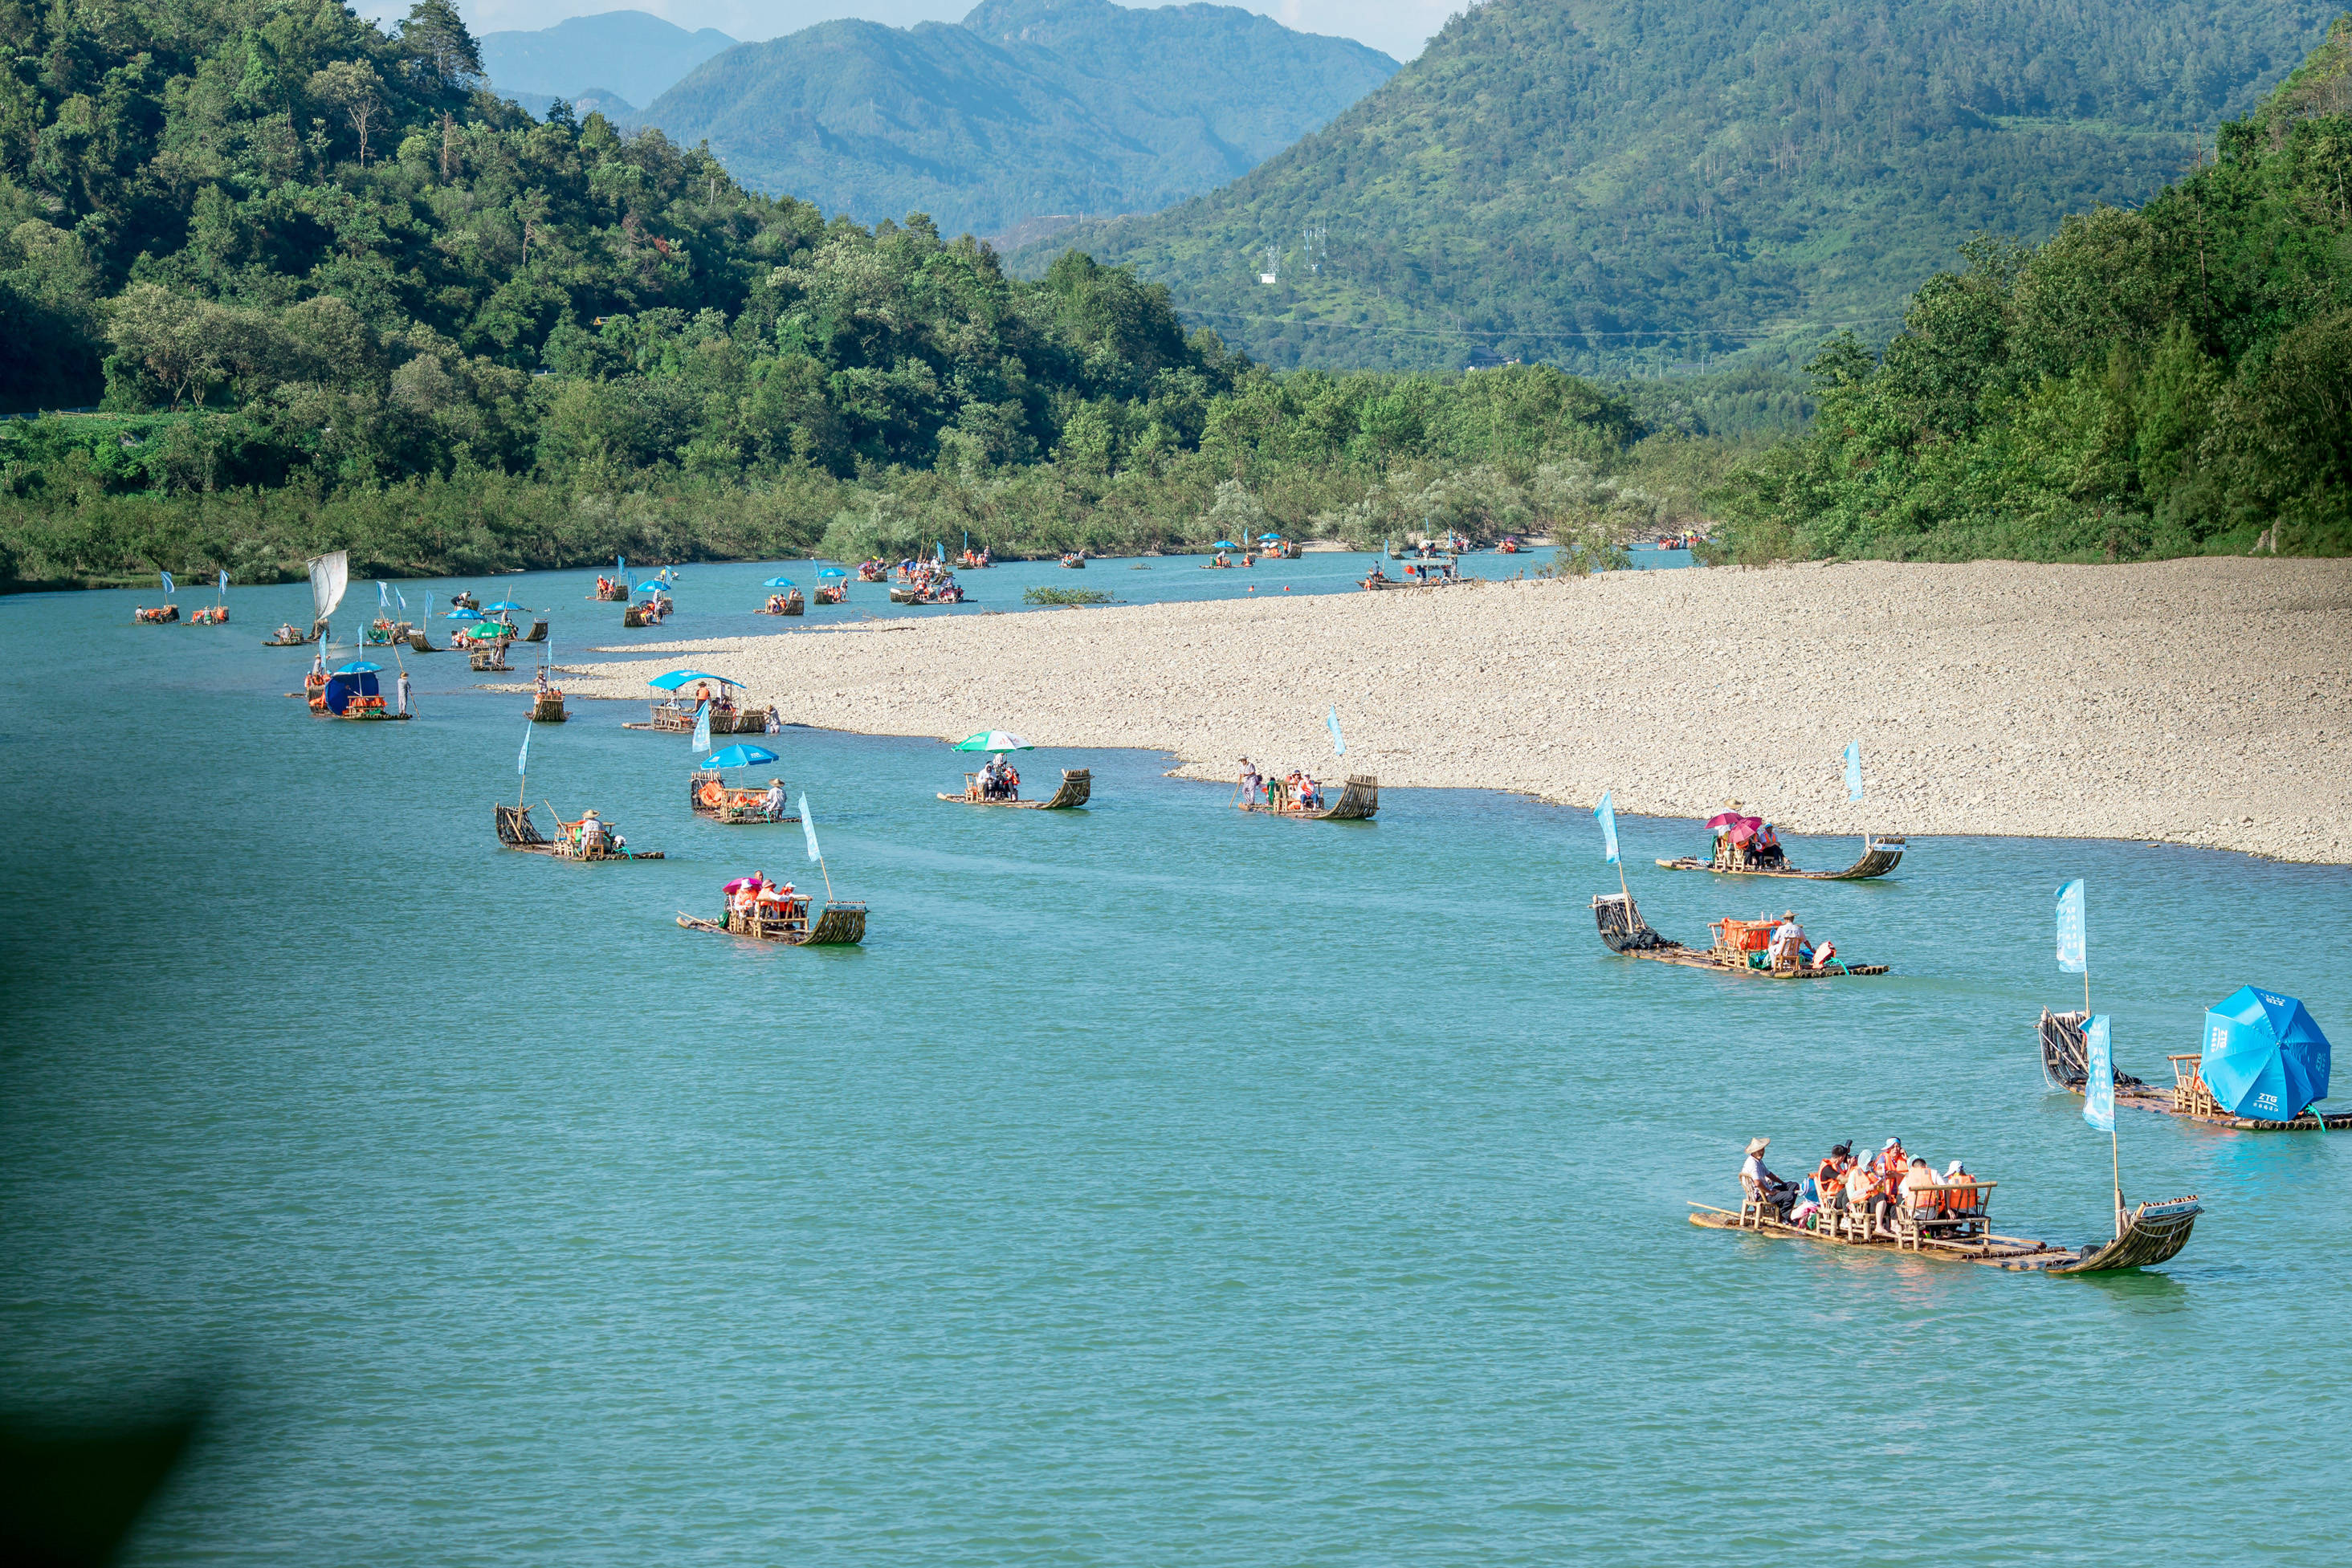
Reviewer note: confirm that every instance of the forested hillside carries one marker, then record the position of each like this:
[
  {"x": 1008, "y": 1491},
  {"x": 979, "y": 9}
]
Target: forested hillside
[
  {"x": 332, "y": 293},
  {"x": 1025, "y": 110},
  {"x": 1600, "y": 183},
  {"x": 2156, "y": 382}
]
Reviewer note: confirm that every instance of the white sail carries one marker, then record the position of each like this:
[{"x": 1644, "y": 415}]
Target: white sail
[{"x": 330, "y": 575}]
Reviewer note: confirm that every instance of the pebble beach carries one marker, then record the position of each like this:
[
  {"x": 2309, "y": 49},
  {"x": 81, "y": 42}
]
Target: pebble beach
[{"x": 2203, "y": 702}]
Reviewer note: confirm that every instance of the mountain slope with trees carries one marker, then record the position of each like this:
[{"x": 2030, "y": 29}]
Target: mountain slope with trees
[
  {"x": 2156, "y": 382},
  {"x": 1600, "y": 183},
  {"x": 1025, "y": 110},
  {"x": 334, "y": 294}
]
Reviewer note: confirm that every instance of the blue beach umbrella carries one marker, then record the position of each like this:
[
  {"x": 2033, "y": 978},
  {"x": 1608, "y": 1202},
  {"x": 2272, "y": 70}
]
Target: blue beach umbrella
[
  {"x": 362, "y": 668},
  {"x": 502, "y": 604},
  {"x": 677, "y": 678},
  {"x": 1264, "y": 538},
  {"x": 831, "y": 571},
  {"x": 652, "y": 586},
  {"x": 779, "y": 582},
  {"x": 1223, "y": 544},
  {"x": 461, "y": 615},
  {"x": 2263, "y": 1056},
  {"x": 739, "y": 757}
]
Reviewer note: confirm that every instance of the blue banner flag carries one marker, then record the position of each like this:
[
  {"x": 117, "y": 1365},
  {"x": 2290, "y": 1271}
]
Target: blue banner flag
[
  {"x": 1332, "y": 723},
  {"x": 224, "y": 582},
  {"x": 2074, "y": 944},
  {"x": 382, "y": 597},
  {"x": 1607, "y": 813},
  {"x": 522, "y": 758},
  {"x": 168, "y": 585},
  {"x": 808, "y": 828},
  {"x": 2099, "y": 1087},
  {"x": 702, "y": 727},
  {"x": 1853, "y": 770}
]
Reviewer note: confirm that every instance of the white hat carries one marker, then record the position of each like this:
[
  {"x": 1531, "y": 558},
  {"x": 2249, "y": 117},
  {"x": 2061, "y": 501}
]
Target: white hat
[
  {"x": 1755, "y": 1145},
  {"x": 1891, "y": 1143},
  {"x": 1953, "y": 1169}
]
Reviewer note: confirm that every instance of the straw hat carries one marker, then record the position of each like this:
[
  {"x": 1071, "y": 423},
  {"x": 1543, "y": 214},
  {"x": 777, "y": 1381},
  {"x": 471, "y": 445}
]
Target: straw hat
[{"x": 1757, "y": 1146}]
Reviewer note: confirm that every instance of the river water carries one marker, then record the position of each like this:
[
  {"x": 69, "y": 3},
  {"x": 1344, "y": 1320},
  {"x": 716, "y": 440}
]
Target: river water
[{"x": 1156, "y": 1186}]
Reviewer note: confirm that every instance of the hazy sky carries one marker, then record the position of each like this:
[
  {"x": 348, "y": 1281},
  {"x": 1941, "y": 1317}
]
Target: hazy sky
[{"x": 1397, "y": 26}]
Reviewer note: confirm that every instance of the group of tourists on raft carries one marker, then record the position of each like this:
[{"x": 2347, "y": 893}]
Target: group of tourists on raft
[
  {"x": 931, "y": 580},
  {"x": 754, "y": 898},
  {"x": 1296, "y": 791},
  {"x": 1872, "y": 1192},
  {"x": 998, "y": 780}
]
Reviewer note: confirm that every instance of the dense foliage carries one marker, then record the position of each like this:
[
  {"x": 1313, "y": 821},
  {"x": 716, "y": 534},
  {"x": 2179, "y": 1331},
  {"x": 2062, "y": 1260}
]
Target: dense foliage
[
  {"x": 1026, "y": 110},
  {"x": 2158, "y": 381},
  {"x": 1600, "y": 183},
  {"x": 332, "y": 293}
]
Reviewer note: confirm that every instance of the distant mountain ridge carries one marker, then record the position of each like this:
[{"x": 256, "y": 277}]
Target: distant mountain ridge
[
  {"x": 1025, "y": 109},
  {"x": 627, "y": 53},
  {"x": 1601, "y": 182}
]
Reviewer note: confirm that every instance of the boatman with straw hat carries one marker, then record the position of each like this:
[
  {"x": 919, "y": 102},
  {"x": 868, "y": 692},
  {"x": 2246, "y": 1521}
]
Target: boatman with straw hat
[{"x": 1759, "y": 1183}]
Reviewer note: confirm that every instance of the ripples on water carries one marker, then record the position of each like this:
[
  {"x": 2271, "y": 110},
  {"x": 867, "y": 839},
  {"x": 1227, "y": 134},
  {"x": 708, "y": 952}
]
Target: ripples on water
[{"x": 1153, "y": 1186}]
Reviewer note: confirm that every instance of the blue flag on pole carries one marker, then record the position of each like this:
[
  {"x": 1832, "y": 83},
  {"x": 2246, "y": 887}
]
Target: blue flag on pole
[
  {"x": 383, "y": 596},
  {"x": 1607, "y": 813},
  {"x": 808, "y": 828},
  {"x": 168, "y": 586},
  {"x": 2074, "y": 944},
  {"x": 2099, "y": 1088},
  {"x": 522, "y": 758},
  {"x": 1853, "y": 770},
  {"x": 702, "y": 727},
  {"x": 223, "y": 581},
  {"x": 1332, "y": 723}
]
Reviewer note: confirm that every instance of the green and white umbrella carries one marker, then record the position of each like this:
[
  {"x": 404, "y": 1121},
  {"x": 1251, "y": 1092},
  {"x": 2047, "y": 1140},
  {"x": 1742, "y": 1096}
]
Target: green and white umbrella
[{"x": 993, "y": 740}]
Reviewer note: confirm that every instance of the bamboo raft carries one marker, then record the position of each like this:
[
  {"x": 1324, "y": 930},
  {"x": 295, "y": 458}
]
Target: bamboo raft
[
  {"x": 518, "y": 832},
  {"x": 1879, "y": 856},
  {"x": 707, "y": 795},
  {"x": 2150, "y": 1233},
  {"x": 1077, "y": 788},
  {"x": 147, "y": 617},
  {"x": 317, "y": 629},
  {"x": 1074, "y": 562},
  {"x": 1626, "y": 934},
  {"x": 612, "y": 593},
  {"x": 537, "y": 632},
  {"x": 418, "y": 642},
  {"x": 493, "y": 657},
  {"x": 548, "y": 708},
  {"x": 785, "y": 604},
  {"x": 834, "y": 926},
  {"x": 1357, "y": 803},
  {"x": 2066, "y": 1069}
]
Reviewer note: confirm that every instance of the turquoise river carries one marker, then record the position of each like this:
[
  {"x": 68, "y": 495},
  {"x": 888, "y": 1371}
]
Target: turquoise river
[{"x": 1156, "y": 1186}]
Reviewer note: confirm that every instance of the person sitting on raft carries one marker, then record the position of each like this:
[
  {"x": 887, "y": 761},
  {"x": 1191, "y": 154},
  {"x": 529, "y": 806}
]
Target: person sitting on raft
[
  {"x": 1766, "y": 848},
  {"x": 1760, "y": 1185},
  {"x": 592, "y": 831},
  {"x": 286, "y": 633},
  {"x": 1788, "y": 942},
  {"x": 1311, "y": 793},
  {"x": 1918, "y": 1176}
]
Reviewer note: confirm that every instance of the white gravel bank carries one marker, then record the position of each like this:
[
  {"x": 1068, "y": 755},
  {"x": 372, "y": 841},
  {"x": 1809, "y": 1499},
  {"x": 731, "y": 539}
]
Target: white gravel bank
[{"x": 2203, "y": 701}]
